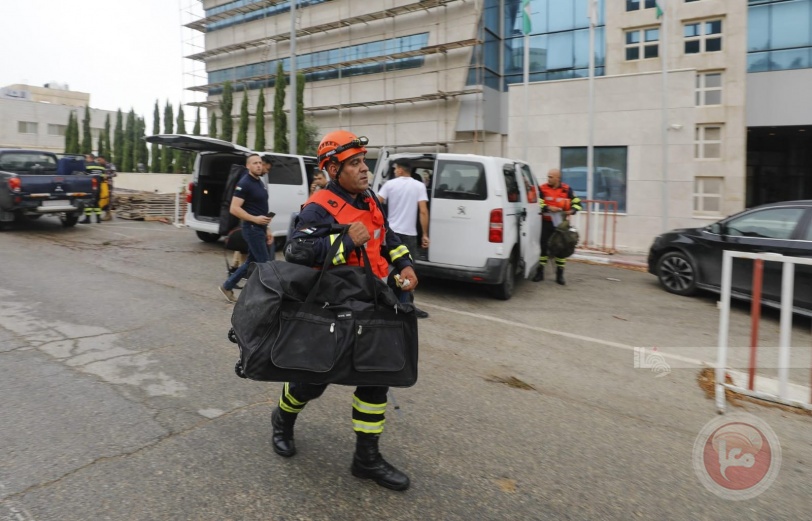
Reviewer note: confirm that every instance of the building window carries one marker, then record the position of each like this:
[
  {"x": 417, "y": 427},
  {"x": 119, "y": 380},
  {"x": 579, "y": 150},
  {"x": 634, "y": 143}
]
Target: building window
[
  {"x": 608, "y": 178},
  {"x": 708, "y": 144},
  {"x": 636, "y": 5},
  {"x": 27, "y": 127},
  {"x": 642, "y": 44},
  {"x": 708, "y": 88},
  {"x": 708, "y": 195},
  {"x": 704, "y": 36},
  {"x": 57, "y": 130},
  {"x": 687, "y": 1}
]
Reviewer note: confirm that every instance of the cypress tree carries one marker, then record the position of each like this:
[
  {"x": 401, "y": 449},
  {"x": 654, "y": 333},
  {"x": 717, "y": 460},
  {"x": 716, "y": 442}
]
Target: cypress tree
[
  {"x": 242, "y": 133},
  {"x": 74, "y": 135},
  {"x": 167, "y": 154},
  {"x": 213, "y": 125},
  {"x": 196, "y": 129},
  {"x": 100, "y": 146},
  {"x": 107, "y": 149},
  {"x": 301, "y": 131},
  {"x": 259, "y": 123},
  {"x": 127, "y": 148},
  {"x": 142, "y": 153},
  {"x": 155, "y": 163},
  {"x": 69, "y": 134},
  {"x": 226, "y": 106},
  {"x": 181, "y": 156},
  {"x": 118, "y": 141},
  {"x": 87, "y": 139},
  {"x": 280, "y": 120}
]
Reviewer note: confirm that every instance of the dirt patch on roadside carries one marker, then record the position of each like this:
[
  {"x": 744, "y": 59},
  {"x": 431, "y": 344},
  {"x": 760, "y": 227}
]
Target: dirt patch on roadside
[{"x": 707, "y": 382}]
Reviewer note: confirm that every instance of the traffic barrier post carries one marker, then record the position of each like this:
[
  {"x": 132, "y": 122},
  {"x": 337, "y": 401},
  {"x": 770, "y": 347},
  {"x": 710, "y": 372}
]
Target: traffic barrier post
[{"x": 787, "y": 297}]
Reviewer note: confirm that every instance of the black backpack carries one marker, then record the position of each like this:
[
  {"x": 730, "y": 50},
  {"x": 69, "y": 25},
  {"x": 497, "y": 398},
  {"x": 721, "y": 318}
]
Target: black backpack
[
  {"x": 227, "y": 221},
  {"x": 563, "y": 240}
]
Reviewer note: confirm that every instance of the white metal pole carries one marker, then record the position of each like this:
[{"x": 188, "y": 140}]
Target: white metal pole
[
  {"x": 293, "y": 96},
  {"x": 724, "y": 326},
  {"x": 787, "y": 283},
  {"x": 590, "y": 148},
  {"x": 664, "y": 60},
  {"x": 526, "y": 108}
]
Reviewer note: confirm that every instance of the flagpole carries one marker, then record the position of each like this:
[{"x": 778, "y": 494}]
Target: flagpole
[
  {"x": 664, "y": 61},
  {"x": 590, "y": 149},
  {"x": 525, "y": 110}
]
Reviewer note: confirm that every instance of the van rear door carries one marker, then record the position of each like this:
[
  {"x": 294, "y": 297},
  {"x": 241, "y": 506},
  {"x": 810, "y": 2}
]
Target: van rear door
[
  {"x": 195, "y": 143},
  {"x": 530, "y": 224},
  {"x": 288, "y": 189},
  {"x": 459, "y": 216}
]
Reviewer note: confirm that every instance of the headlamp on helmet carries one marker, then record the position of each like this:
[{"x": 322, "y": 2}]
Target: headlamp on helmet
[{"x": 331, "y": 150}]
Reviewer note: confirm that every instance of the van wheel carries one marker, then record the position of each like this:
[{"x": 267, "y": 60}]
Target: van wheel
[
  {"x": 208, "y": 237},
  {"x": 504, "y": 290}
]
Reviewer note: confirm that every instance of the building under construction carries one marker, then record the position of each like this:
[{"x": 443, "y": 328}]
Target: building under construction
[{"x": 698, "y": 109}]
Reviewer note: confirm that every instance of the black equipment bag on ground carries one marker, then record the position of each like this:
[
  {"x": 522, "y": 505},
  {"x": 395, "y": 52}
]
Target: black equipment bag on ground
[
  {"x": 563, "y": 240},
  {"x": 339, "y": 325}
]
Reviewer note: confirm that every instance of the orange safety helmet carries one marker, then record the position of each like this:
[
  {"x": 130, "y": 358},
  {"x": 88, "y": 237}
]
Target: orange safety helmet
[{"x": 340, "y": 145}]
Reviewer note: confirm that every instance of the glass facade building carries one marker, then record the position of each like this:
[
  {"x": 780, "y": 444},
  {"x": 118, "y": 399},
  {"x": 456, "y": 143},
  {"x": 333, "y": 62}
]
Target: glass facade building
[
  {"x": 282, "y": 7},
  {"x": 559, "y": 42},
  {"x": 779, "y": 35}
]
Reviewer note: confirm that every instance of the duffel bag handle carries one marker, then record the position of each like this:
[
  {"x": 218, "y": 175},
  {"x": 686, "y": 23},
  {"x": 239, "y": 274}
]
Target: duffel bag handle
[{"x": 360, "y": 251}]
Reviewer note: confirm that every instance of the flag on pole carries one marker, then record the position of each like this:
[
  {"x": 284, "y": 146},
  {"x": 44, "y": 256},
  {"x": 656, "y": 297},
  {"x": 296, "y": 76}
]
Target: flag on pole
[
  {"x": 527, "y": 26},
  {"x": 659, "y": 10},
  {"x": 592, "y": 12}
]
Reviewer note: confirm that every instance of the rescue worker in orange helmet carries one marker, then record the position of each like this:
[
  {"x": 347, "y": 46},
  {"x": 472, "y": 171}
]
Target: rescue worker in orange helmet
[
  {"x": 346, "y": 200},
  {"x": 555, "y": 197}
]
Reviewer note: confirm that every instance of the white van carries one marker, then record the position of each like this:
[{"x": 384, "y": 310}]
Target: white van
[
  {"x": 484, "y": 219},
  {"x": 288, "y": 183}
]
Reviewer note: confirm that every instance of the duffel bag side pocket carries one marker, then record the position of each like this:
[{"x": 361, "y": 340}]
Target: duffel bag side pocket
[
  {"x": 380, "y": 345},
  {"x": 306, "y": 341}
]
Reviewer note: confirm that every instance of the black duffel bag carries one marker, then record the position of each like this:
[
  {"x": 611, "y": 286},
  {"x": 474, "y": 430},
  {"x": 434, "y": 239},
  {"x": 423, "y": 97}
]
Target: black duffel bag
[{"x": 339, "y": 325}]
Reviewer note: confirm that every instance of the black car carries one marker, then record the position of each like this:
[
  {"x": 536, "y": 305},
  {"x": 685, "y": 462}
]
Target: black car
[{"x": 691, "y": 259}]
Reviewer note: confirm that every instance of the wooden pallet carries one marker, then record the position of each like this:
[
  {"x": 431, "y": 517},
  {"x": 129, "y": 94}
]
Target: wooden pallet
[{"x": 146, "y": 206}]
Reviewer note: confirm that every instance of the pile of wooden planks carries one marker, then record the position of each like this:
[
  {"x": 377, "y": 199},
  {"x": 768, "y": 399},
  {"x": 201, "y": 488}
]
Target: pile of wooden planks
[{"x": 146, "y": 206}]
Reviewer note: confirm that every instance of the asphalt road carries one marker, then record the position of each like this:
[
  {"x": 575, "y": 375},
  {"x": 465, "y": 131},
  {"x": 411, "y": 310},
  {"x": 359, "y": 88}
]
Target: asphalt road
[{"x": 120, "y": 401}]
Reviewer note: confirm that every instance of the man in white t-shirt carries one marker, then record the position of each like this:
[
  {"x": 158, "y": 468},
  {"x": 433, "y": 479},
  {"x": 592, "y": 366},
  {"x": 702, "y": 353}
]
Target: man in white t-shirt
[{"x": 405, "y": 198}]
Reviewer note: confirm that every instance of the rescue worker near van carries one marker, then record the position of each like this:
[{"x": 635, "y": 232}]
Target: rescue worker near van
[
  {"x": 556, "y": 198},
  {"x": 91, "y": 168},
  {"x": 346, "y": 200}
]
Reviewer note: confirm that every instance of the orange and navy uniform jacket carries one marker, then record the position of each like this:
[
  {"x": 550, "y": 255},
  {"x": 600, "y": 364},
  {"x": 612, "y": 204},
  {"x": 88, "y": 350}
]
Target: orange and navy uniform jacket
[
  {"x": 561, "y": 197},
  {"x": 335, "y": 205}
]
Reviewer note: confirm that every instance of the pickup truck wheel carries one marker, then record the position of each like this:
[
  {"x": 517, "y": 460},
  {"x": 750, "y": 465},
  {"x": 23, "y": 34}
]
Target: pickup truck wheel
[
  {"x": 69, "y": 219},
  {"x": 208, "y": 237},
  {"x": 504, "y": 290}
]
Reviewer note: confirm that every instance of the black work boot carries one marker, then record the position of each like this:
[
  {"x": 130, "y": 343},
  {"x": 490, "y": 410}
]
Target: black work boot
[
  {"x": 282, "y": 424},
  {"x": 367, "y": 463},
  {"x": 559, "y": 276},
  {"x": 539, "y": 276},
  {"x": 98, "y": 218},
  {"x": 86, "y": 220}
]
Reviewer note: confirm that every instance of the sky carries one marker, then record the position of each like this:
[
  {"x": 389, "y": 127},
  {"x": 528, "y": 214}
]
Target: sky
[{"x": 124, "y": 53}]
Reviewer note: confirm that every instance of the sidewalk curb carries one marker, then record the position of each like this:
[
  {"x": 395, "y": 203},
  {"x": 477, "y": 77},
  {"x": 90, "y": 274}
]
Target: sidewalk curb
[{"x": 609, "y": 260}]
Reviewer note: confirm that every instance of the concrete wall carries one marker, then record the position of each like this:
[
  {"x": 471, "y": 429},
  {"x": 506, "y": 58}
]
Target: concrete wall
[
  {"x": 779, "y": 98},
  {"x": 155, "y": 183}
]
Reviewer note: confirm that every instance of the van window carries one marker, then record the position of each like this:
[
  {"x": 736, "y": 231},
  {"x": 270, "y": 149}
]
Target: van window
[
  {"x": 529, "y": 184},
  {"x": 285, "y": 171},
  {"x": 511, "y": 184},
  {"x": 460, "y": 180}
]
